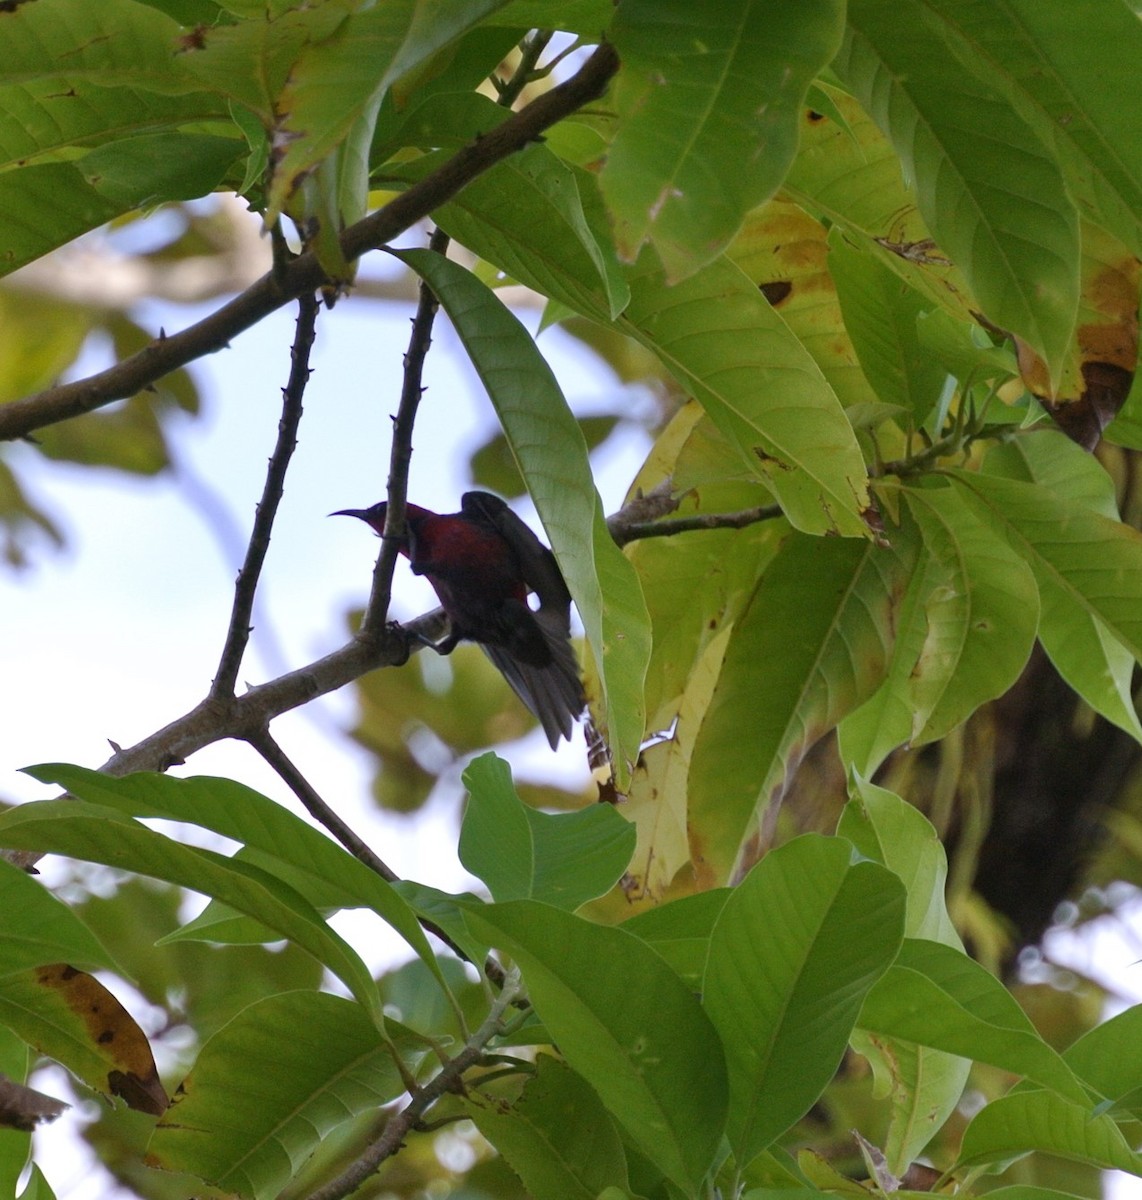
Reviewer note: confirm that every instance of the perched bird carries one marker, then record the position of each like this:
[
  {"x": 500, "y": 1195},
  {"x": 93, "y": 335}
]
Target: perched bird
[{"x": 483, "y": 562}]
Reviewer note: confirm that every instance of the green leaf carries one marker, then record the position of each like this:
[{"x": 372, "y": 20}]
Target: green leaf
[
  {"x": 319, "y": 868},
  {"x": 1054, "y": 62},
  {"x": 227, "y": 1127},
  {"x": 98, "y": 833},
  {"x": 923, "y": 1085},
  {"x": 936, "y": 996},
  {"x": 1088, "y": 567},
  {"x": 1026, "y": 1121},
  {"x": 1106, "y": 1058},
  {"x": 881, "y": 312},
  {"x": 708, "y": 102},
  {"x": 869, "y": 734},
  {"x": 552, "y": 457},
  {"x": 627, "y": 1024},
  {"x": 982, "y": 617},
  {"x": 564, "y": 859},
  {"x": 728, "y": 347},
  {"x": 336, "y": 80},
  {"x": 40, "y": 929},
  {"x": 1094, "y": 662},
  {"x": 797, "y": 945},
  {"x": 557, "y": 1137},
  {"x": 680, "y": 930},
  {"x": 888, "y": 830},
  {"x": 822, "y": 623},
  {"x": 988, "y": 188},
  {"x": 526, "y": 215}
]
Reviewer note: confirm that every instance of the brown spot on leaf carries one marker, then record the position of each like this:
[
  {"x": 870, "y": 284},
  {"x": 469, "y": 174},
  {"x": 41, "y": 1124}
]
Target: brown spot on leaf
[
  {"x": 776, "y": 291},
  {"x": 814, "y": 117},
  {"x": 120, "y": 1042}
]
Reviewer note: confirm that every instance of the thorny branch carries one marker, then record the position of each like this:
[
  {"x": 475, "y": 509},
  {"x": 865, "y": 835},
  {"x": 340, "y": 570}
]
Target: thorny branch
[{"x": 245, "y": 589}]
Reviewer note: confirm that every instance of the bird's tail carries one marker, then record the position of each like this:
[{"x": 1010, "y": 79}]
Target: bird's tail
[{"x": 553, "y": 692}]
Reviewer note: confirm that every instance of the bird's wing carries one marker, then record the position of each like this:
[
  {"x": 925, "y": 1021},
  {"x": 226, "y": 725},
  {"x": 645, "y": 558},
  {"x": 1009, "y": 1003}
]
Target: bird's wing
[{"x": 538, "y": 566}]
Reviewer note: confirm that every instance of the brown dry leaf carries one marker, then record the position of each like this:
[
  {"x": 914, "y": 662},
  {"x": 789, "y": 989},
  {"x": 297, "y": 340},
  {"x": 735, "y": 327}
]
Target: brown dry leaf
[
  {"x": 114, "y": 1035},
  {"x": 1104, "y": 351}
]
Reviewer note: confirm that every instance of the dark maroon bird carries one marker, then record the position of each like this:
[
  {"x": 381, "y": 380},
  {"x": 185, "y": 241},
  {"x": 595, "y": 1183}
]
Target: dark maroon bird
[{"x": 483, "y": 563}]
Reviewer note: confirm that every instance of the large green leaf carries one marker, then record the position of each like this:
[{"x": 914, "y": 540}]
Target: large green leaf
[
  {"x": 923, "y": 1085},
  {"x": 552, "y": 457},
  {"x": 116, "y": 43},
  {"x": 708, "y": 102},
  {"x": 986, "y": 185},
  {"x": 880, "y": 312},
  {"x": 564, "y": 859},
  {"x": 1067, "y": 68},
  {"x": 935, "y": 995},
  {"x": 98, "y": 833},
  {"x": 557, "y": 1136},
  {"x": 1088, "y": 566},
  {"x": 40, "y": 929},
  {"x": 730, "y": 349},
  {"x": 526, "y": 215},
  {"x": 680, "y": 930},
  {"x": 230, "y": 1128},
  {"x": 318, "y": 867},
  {"x": 1093, "y": 661},
  {"x": 1106, "y": 1058},
  {"x": 797, "y": 945},
  {"x": 1025, "y": 1121},
  {"x": 982, "y": 617},
  {"x": 812, "y": 644},
  {"x": 627, "y": 1024}
]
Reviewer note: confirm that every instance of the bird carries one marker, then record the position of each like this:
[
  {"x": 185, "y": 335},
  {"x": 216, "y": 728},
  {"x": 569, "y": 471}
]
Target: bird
[{"x": 483, "y": 562}]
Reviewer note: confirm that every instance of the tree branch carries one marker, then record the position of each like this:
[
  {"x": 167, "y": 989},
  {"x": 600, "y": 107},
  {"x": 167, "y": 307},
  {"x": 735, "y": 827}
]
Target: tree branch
[
  {"x": 238, "y": 634},
  {"x": 303, "y": 275}
]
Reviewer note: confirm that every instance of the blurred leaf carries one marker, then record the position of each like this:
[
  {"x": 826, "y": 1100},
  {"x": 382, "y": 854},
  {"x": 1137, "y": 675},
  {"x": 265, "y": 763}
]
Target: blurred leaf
[
  {"x": 41, "y": 339},
  {"x": 563, "y": 859},
  {"x": 795, "y": 948},
  {"x": 627, "y": 1024}
]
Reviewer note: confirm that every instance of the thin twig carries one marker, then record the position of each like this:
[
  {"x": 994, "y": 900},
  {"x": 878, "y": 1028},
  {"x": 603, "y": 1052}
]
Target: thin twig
[
  {"x": 401, "y": 1124},
  {"x": 624, "y": 530},
  {"x": 321, "y": 812},
  {"x": 245, "y": 589},
  {"x": 304, "y": 274}
]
